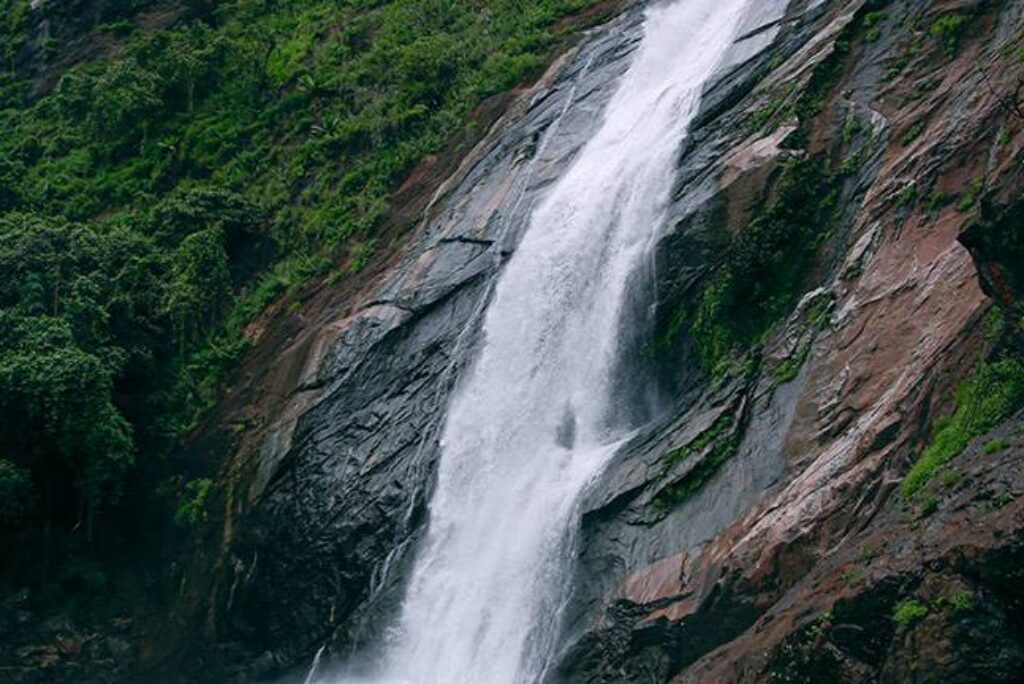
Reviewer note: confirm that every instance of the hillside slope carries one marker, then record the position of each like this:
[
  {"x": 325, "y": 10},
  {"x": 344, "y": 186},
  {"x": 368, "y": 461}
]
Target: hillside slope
[{"x": 833, "y": 488}]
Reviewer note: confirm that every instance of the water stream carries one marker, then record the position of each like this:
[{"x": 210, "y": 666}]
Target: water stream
[{"x": 536, "y": 417}]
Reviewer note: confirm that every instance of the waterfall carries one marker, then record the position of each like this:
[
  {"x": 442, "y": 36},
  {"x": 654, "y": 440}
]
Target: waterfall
[{"x": 536, "y": 418}]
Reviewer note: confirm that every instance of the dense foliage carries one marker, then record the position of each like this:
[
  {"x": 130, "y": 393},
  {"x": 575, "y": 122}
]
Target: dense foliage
[{"x": 206, "y": 157}]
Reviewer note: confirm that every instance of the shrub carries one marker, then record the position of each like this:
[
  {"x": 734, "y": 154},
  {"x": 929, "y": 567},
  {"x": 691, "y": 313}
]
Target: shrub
[
  {"x": 948, "y": 30},
  {"x": 191, "y": 511},
  {"x": 161, "y": 196},
  {"x": 971, "y": 195},
  {"x": 959, "y": 602},
  {"x": 908, "y": 612},
  {"x": 872, "y": 21},
  {"x": 1002, "y": 500},
  {"x": 929, "y": 505}
]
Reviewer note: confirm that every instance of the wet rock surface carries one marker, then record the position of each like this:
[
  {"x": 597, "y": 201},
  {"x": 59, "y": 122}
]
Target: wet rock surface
[{"x": 746, "y": 565}]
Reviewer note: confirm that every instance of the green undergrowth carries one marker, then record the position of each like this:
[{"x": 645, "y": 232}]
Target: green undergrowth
[
  {"x": 157, "y": 198},
  {"x": 948, "y": 30},
  {"x": 990, "y": 396}
]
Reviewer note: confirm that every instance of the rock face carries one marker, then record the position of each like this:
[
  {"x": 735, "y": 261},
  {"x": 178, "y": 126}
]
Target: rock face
[{"x": 754, "y": 531}]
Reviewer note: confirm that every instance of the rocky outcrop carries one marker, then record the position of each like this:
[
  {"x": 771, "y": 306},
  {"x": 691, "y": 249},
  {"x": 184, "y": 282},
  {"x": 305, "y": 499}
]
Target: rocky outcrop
[
  {"x": 731, "y": 583},
  {"x": 754, "y": 530}
]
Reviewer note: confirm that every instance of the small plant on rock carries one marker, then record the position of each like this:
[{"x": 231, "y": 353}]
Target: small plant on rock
[
  {"x": 948, "y": 30},
  {"x": 908, "y": 612}
]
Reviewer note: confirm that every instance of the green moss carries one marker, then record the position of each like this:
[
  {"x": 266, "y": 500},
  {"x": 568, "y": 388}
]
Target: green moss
[
  {"x": 766, "y": 113},
  {"x": 763, "y": 274},
  {"x": 721, "y": 426},
  {"x": 970, "y": 197},
  {"x": 909, "y": 612},
  {"x": 958, "y": 602},
  {"x": 679, "y": 492},
  {"x": 720, "y": 436},
  {"x": 948, "y": 30},
  {"x": 790, "y": 368},
  {"x": 996, "y": 445},
  {"x": 989, "y": 397},
  {"x": 912, "y": 133},
  {"x": 852, "y": 127}
]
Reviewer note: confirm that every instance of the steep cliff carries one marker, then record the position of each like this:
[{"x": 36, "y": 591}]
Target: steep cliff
[{"x": 797, "y": 510}]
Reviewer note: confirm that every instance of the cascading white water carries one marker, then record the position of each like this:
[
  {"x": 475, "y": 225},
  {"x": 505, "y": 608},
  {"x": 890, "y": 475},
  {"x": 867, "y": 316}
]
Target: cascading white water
[{"x": 535, "y": 420}]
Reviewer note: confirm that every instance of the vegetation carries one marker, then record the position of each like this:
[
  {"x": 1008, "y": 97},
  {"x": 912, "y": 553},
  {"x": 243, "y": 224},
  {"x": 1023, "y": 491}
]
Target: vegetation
[
  {"x": 929, "y": 504},
  {"x": 950, "y": 478},
  {"x": 958, "y": 602},
  {"x": 872, "y": 23},
  {"x": 937, "y": 200},
  {"x": 722, "y": 425},
  {"x": 680, "y": 491},
  {"x": 996, "y": 445},
  {"x": 948, "y": 30},
  {"x": 908, "y": 612},
  {"x": 762, "y": 276},
  {"x": 907, "y": 196},
  {"x": 158, "y": 198},
  {"x": 192, "y": 510},
  {"x": 1002, "y": 500},
  {"x": 763, "y": 273},
  {"x": 804, "y": 653},
  {"x": 970, "y": 197},
  {"x": 986, "y": 399},
  {"x": 912, "y": 133}
]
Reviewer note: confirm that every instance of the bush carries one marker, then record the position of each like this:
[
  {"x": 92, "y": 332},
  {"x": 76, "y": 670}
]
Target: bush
[
  {"x": 191, "y": 511},
  {"x": 948, "y": 30},
  {"x": 908, "y": 612}
]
